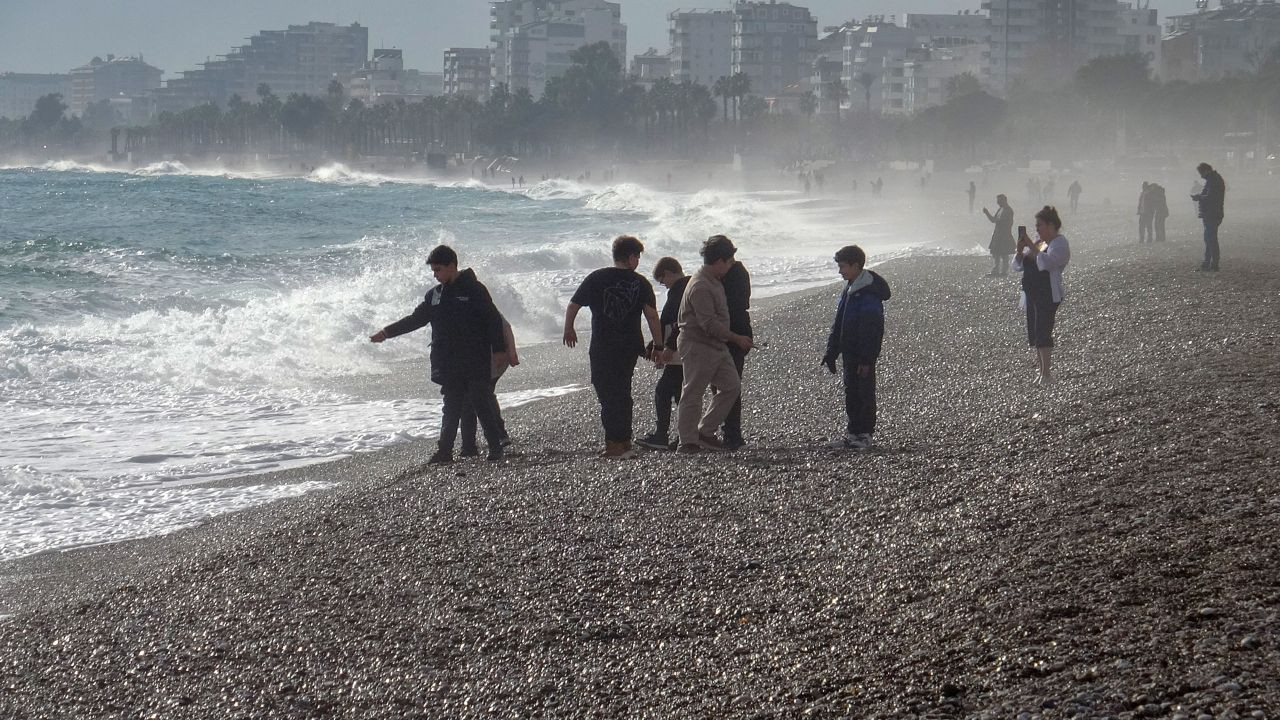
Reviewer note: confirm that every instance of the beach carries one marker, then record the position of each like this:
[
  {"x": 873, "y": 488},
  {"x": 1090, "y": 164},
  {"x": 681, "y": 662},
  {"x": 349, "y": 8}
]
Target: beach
[{"x": 1104, "y": 547}]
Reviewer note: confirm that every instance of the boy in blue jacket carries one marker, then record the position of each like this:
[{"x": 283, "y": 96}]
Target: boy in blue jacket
[{"x": 856, "y": 336}]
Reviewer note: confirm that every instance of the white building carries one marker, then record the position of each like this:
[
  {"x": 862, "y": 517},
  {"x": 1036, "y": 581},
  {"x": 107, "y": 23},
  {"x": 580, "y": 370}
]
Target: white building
[
  {"x": 649, "y": 66},
  {"x": 385, "y": 79},
  {"x": 774, "y": 45},
  {"x": 110, "y": 79},
  {"x": 701, "y": 45},
  {"x": 466, "y": 72},
  {"x": 1211, "y": 44},
  {"x": 1049, "y": 38},
  {"x": 874, "y": 53},
  {"x": 20, "y": 91},
  {"x": 1140, "y": 33},
  {"x": 929, "y": 74},
  {"x": 522, "y": 37}
]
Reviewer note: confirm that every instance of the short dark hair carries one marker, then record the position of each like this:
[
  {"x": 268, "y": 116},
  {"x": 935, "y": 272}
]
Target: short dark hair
[
  {"x": 625, "y": 246},
  {"x": 666, "y": 265},
  {"x": 442, "y": 255},
  {"x": 1206, "y": 167},
  {"x": 717, "y": 248},
  {"x": 1049, "y": 214},
  {"x": 851, "y": 255}
]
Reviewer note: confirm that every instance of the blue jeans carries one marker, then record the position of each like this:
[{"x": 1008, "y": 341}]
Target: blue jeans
[{"x": 1211, "y": 242}]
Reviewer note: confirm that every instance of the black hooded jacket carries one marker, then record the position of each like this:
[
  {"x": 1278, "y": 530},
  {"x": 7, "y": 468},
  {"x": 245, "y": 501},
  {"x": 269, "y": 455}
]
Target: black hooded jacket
[
  {"x": 466, "y": 328},
  {"x": 858, "y": 329}
]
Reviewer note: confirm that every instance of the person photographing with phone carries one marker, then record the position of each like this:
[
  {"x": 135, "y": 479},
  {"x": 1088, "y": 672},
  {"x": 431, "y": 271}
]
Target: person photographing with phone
[{"x": 1041, "y": 263}]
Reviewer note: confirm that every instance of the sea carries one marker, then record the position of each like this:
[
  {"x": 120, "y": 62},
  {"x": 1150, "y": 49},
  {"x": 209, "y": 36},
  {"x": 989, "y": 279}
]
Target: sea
[{"x": 165, "y": 328}]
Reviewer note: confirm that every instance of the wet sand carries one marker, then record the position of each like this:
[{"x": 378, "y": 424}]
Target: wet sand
[{"x": 1105, "y": 547}]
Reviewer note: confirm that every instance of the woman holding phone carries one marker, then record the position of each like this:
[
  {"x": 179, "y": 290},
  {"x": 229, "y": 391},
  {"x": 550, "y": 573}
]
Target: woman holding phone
[{"x": 1041, "y": 264}]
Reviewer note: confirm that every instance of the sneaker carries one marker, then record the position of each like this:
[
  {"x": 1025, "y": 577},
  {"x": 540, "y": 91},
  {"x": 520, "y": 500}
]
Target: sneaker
[
  {"x": 442, "y": 457},
  {"x": 506, "y": 442},
  {"x": 689, "y": 449},
  {"x": 654, "y": 441},
  {"x": 1204, "y": 267},
  {"x": 1044, "y": 380},
  {"x": 469, "y": 451},
  {"x": 621, "y": 449},
  {"x": 495, "y": 453},
  {"x": 867, "y": 441},
  {"x": 860, "y": 441},
  {"x": 710, "y": 442},
  {"x": 734, "y": 443},
  {"x": 628, "y": 451},
  {"x": 841, "y": 443}
]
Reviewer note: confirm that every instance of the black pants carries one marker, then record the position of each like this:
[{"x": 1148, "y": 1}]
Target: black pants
[
  {"x": 611, "y": 377},
  {"x": 458, "y": 391},
  {"x": 1042, "y": 313},
  {"x": 1211, "y": 250},
  {"x": 666, "y": 394},
  {"x": 469, "y": 417},
  {"x": 732, "y": 428},
  {"x": 859, "y": 399}
]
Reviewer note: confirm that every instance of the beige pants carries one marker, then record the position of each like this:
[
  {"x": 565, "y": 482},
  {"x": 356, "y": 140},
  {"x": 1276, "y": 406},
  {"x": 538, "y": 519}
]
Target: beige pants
[{"x": 705, "y": 367}]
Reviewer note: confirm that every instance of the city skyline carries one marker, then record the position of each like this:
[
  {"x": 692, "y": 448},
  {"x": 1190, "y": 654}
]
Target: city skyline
[{"x": 177, "y": 35}]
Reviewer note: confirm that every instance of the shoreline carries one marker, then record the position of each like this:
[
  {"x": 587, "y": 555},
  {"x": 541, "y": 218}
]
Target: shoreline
[{"x": 1092, "y": 550}]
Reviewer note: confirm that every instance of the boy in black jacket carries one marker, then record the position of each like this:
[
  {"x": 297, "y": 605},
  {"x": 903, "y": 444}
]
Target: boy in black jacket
[
  {"x": 856, "y": 335},
  {"x": 667, "y": 392},
  {"x": 466, "y": 338}
]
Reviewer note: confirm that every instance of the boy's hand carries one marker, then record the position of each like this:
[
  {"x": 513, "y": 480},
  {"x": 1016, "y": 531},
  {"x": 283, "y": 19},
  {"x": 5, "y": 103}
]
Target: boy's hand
[
  {"x": 378, "y": 336},
  {"x": 830, "y": 362}
]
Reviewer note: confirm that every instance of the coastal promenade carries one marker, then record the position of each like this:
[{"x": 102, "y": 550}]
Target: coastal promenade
[{"x": 1106, "y": 547}]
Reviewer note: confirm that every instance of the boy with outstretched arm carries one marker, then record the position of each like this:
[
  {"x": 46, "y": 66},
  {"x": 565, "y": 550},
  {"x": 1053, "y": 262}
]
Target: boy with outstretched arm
[{"x": 856, "y": 336}]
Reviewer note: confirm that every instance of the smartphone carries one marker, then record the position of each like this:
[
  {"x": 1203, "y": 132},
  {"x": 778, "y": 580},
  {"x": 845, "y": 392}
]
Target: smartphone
[{"x": 1022, "y": 231}]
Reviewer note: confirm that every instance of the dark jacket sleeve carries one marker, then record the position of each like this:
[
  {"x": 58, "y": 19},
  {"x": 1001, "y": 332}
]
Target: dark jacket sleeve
[
  {"x": 833, "y": 338},
  {"x": 737, "y": 295},
  {"x": 670, "y": 316},
  {"x": 420, "y": 317}
]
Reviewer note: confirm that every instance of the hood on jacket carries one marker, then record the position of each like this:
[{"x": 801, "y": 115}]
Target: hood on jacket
[{"x": 870, "y": 282}]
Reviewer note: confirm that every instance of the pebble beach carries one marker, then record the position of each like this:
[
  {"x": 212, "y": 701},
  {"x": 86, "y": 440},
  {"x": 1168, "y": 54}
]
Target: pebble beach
[{"x": 1105, "y": 547}]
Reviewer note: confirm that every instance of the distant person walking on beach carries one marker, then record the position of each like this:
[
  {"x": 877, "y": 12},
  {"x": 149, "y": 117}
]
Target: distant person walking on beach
[
  {"x": 1041, "y": 264},
  {"x": 1159, "y": 209},
  {"x": 617, "y": 296},
  {"x": 737, "y": 293},
  {"x": 667, "y": 392},
  {"x": 466, "y": 341},
  {"x": 1073, "y": 194},
  {"x": 1211, "y": 201},
  {"x": 501, "y": 362},
  {"x": 1001, "y": 245},
  {"x": 1145, "y": 214},
  {"x": 856, "y": 337},
  {"x": 704, "y": 330},
  {"x": 973, "y": 193}
]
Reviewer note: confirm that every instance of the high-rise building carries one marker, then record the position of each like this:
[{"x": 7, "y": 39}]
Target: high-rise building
[
  {"x": 1049, "y": 38},
  {"x": 1233, "y": 39},
  {"x": 302, "y": 59},
  {"x": 110, "y": 79},
  {"x": 774, "y": 45},
  {"x": 701, "y": 45},
  {"x": 466, "y": 72},
  {"x": 651, "y": 66},
  {"x": 930, "y": 72},
  {"x": 1140, "y": 33},
  {"x": 20, "y": 91},
  {"x": 531, "y": 40},
  {"x": 385, "y": 79},
  {"x": 874, "y": 53}
]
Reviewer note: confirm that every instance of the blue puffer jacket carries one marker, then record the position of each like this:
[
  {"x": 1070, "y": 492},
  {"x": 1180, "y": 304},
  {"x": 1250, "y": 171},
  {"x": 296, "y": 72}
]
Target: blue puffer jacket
[{"x": 859, "y": 325}]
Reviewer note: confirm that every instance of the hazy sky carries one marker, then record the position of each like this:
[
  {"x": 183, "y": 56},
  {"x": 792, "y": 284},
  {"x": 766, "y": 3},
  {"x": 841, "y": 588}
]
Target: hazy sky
[{"x": 174, "y": 35}]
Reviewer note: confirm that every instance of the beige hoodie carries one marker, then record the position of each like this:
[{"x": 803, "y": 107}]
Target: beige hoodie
[{"x": 704, "y": 312}]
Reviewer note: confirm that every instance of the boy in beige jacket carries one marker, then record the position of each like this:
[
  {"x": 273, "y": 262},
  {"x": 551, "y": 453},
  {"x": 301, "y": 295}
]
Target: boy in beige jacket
[{"x": 704, "y": 330}]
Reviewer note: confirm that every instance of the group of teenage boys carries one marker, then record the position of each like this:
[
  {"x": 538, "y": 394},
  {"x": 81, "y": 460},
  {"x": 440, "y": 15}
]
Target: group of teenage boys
[{"x": 700, "y": 341}]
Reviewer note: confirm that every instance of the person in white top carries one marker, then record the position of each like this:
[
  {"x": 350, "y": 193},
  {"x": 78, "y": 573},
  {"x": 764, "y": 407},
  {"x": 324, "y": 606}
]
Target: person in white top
[{"x": 1041, "y": 264}]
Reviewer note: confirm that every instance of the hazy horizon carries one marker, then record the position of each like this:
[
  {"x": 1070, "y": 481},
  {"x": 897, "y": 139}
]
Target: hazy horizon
[{"x": 177, "y": 35}]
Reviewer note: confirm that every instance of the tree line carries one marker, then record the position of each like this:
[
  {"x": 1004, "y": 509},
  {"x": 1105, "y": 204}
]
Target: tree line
[{"x": 1110, "y": 106}]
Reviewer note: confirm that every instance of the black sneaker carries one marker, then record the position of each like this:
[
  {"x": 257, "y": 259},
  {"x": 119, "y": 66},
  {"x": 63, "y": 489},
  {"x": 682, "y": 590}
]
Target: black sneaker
[
  {"x": 654, "y": 441},
  {"x": 734, "y": 443},
  {"x": 442, "y": 457},
  {"x": 469, "y": 451},
  {"x": 495, "y": 453}
]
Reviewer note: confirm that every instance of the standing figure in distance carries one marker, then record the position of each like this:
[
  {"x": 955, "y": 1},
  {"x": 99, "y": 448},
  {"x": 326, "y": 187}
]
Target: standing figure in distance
[
  {"x": 466, "y": 340},
  {"x": 1211, "y": 200},
  {"x": 1146, "y": 214},
  {"x": 1073, "y": 193},
  {"x": 856, "y": 337},
  {"x": 1159, "y": 209},
  {"x": 973, "y": 193},
  {"x": 1001, "y": 245},
  {"x": 617, "y": 296}
]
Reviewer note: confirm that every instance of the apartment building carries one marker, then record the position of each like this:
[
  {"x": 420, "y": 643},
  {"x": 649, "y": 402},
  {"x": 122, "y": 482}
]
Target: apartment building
[
  {"x": 1210, "y": 44},
  {"x": 1140, "y": 32},
  {"x": 528, "y": 38},
  {"x": 301, "y": 59},
  {"x": 651, "y": 66},
  {"x": 20, "y": 91},
  {"x": 466, "y": 72},
  {"x": 1049, "y": 38},
  {"x": 774, "y": 45},
  {"x": 701, "y": 45},
  {"x": 111, "y": 79}
]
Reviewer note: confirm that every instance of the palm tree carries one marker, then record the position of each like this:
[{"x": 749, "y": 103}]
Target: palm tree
[
  {"x": 809, "y": 104},
  {"x": 838, "y": 93},
  {"x": 721, "y": 89},
  {"x": 739, "y": 87}
]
